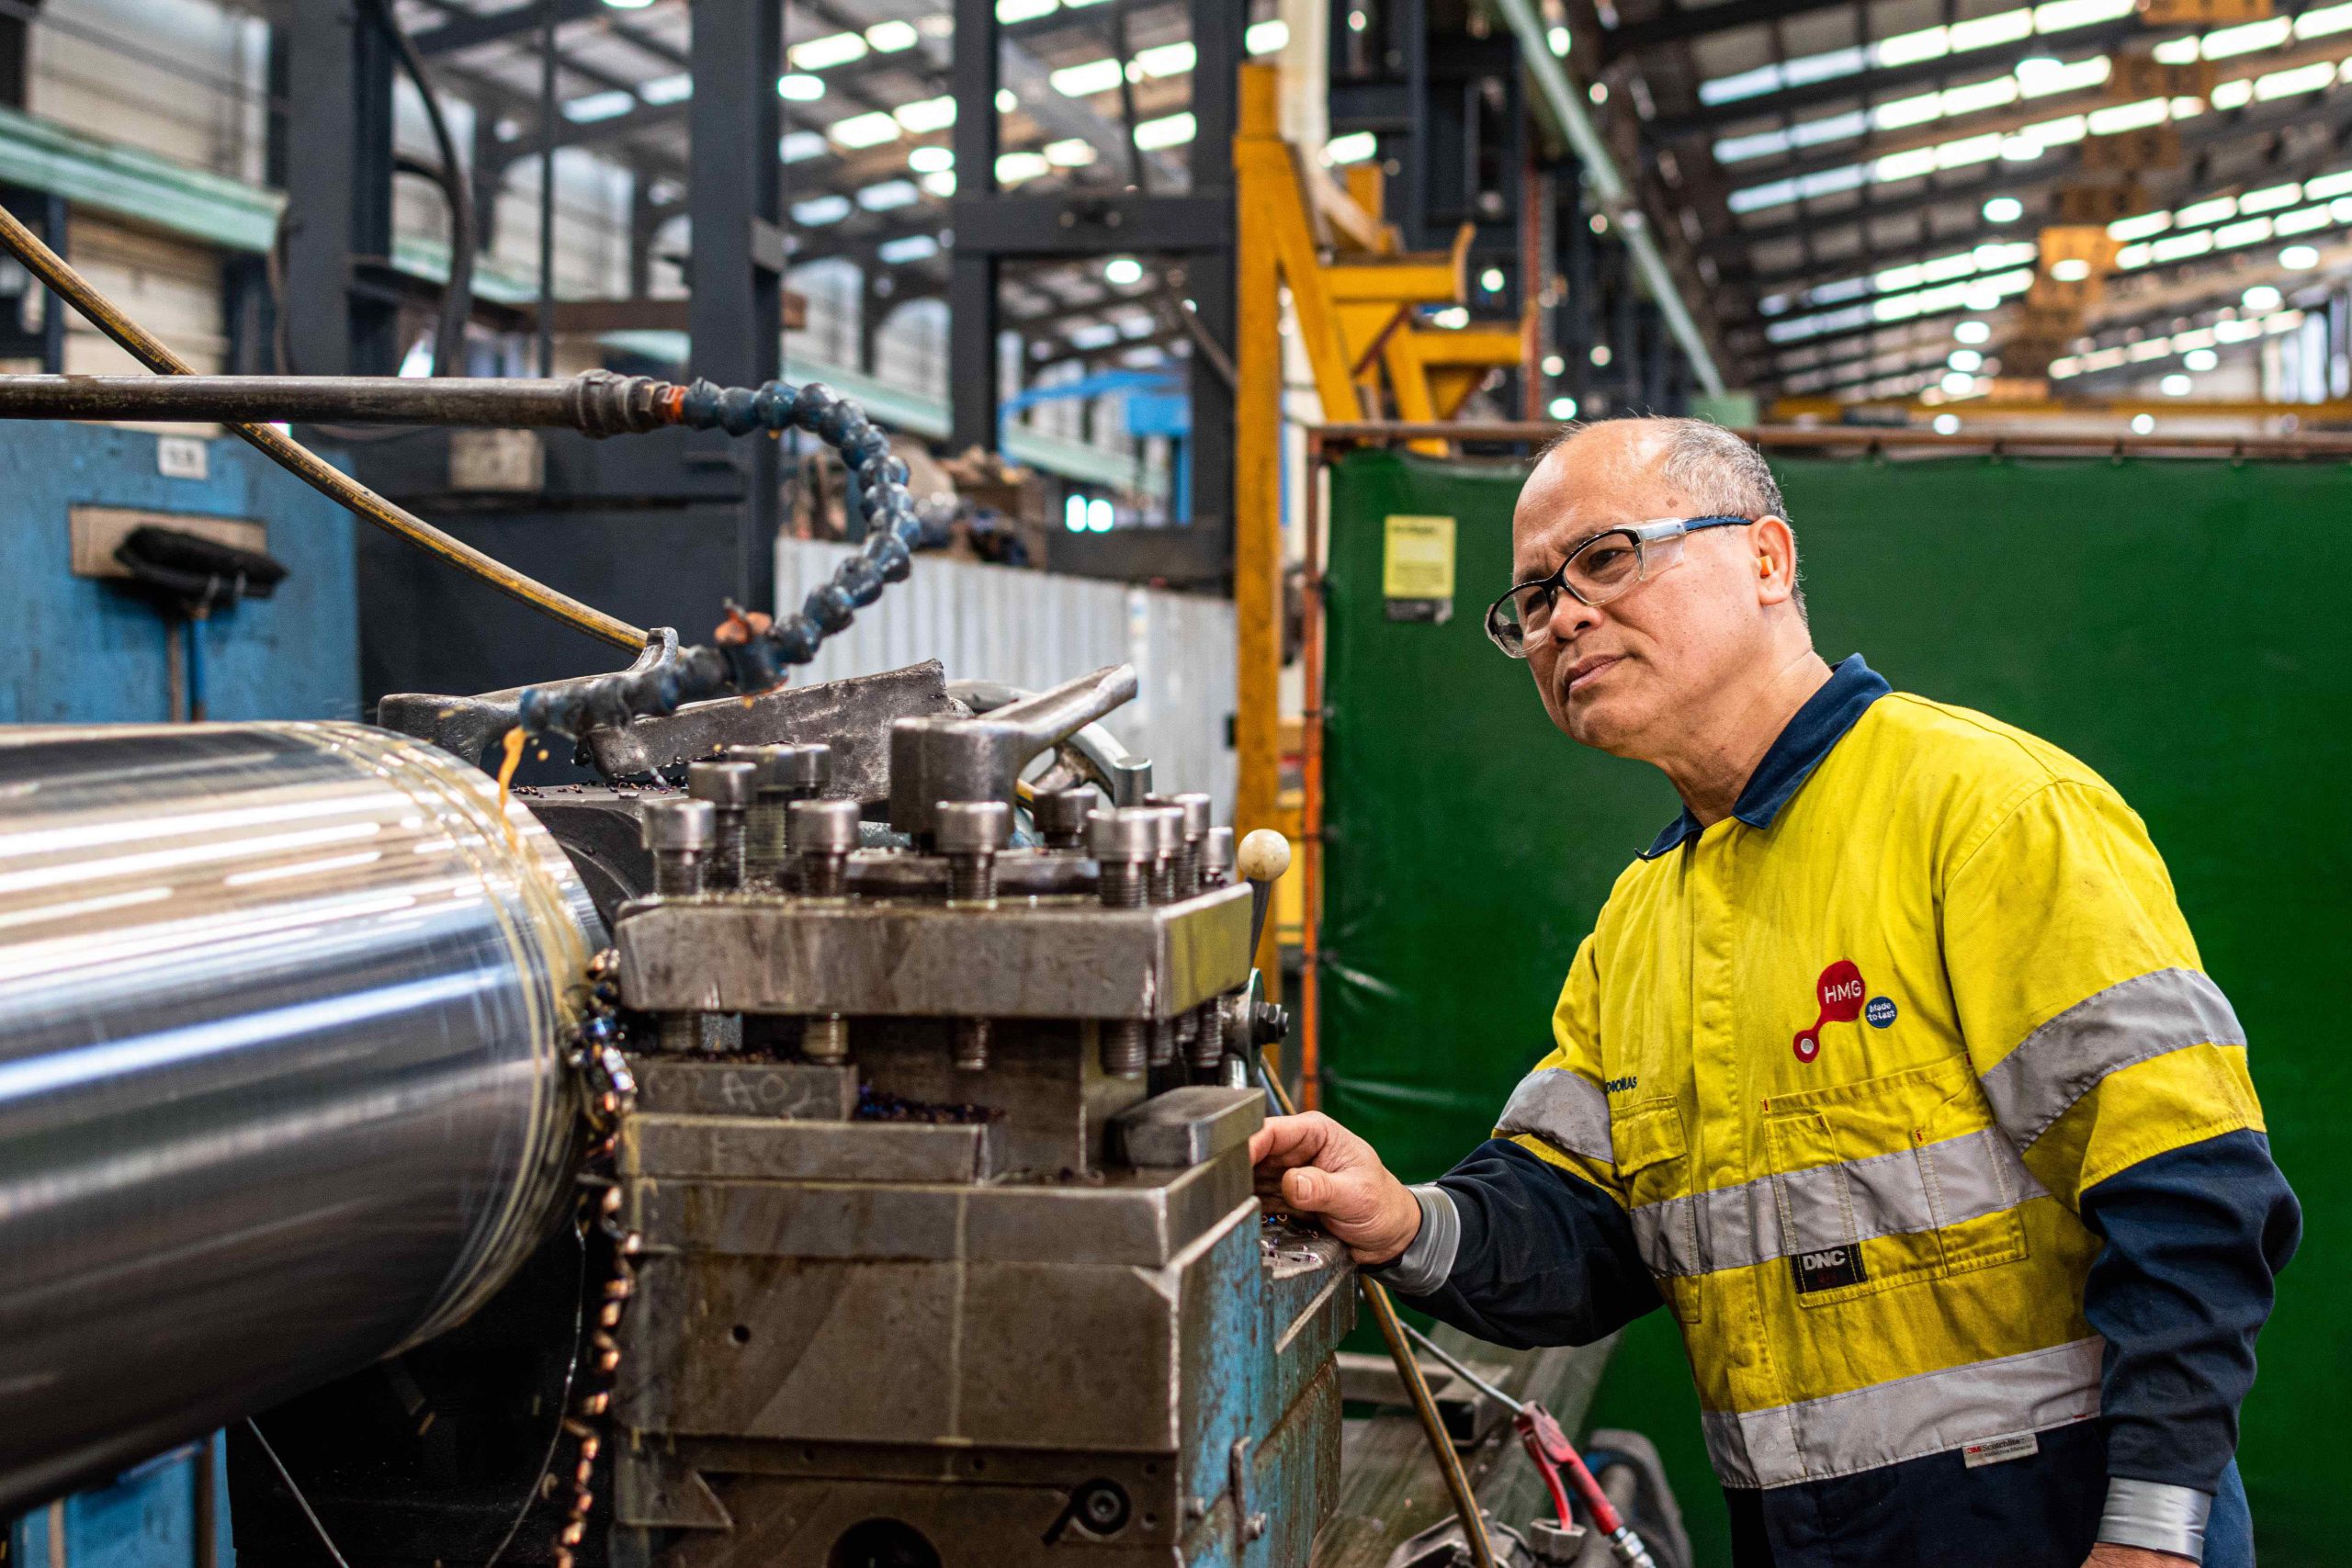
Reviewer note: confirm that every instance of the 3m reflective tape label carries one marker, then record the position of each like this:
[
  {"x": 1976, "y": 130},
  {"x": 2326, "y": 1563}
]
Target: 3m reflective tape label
[
  {"x": 2000, "y": 1451},
  {"x": 1828, "y": 1268}
]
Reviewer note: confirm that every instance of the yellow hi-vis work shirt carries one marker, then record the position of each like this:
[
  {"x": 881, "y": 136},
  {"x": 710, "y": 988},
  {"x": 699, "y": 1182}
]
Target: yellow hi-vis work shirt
[{"x": 1849, "y": 1065}]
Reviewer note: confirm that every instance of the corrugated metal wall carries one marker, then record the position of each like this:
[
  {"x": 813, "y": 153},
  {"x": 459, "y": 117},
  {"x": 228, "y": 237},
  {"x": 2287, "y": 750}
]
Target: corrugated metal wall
[{"x": 1035, "y": 629}]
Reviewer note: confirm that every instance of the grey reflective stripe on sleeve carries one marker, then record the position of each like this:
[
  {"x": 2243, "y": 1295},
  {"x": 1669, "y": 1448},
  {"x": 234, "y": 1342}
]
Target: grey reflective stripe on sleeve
[
  {"x": 1906, "y": 1418},
  {"x": 1565, "y": 1109},
  {"x": 1425, "y": 1265},
  {"x": 2156, "y": 1515},
  {"x": 1900, "y": 1193},
  {"x": 2133, "y": 1020}
]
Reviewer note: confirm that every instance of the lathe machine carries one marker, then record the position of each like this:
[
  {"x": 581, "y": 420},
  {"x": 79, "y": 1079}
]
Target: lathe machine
[{"x": 839, "y": 1160}]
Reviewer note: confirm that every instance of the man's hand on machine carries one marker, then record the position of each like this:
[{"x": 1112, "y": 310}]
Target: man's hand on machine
[{"x": 1313, "y": 1167}]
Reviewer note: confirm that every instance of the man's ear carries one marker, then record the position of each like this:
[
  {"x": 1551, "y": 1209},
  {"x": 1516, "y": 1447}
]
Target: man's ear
[{"x": 1774, "y": 546}]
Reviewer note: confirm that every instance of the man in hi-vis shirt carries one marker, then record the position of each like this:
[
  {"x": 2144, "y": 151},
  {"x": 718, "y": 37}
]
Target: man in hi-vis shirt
[{"x": 1888, "y": 1068}]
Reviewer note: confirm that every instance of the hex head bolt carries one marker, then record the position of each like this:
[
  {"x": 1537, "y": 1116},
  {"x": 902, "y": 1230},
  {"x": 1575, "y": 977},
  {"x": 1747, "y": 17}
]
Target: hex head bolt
[
  {"x": 969, "y": 833},
  {"x": 732, "y": 788},
  {"x": 1197, "y": 808},
  {"x": 1124, "y": 841},
  {"x": 1061, "y": 814},
  {"x": 681, "y": 835},
  {"x": 821, "y": 834}
]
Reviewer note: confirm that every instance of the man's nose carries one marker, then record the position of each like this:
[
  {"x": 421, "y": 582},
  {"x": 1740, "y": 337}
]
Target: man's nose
[{"x": 1571, "y": 618}]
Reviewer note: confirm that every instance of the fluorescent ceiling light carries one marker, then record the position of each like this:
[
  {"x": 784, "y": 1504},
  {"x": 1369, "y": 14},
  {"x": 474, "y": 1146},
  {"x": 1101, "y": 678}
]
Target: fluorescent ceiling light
[
  {"x": 889, "y": 38},
  {"x": 1085, "y": 80},
  {"x": 823, "y": 54},
  {"x": 926, "y": 115},
  {"x": 889, "y": 194},
  {"x": 1168, "y": 131},
  {"x": 1166, "y": 60},
  {"x": 864, "y": 129},
  {"x": 597, "y": 106},
  {"x": 1012, "y": 168}
]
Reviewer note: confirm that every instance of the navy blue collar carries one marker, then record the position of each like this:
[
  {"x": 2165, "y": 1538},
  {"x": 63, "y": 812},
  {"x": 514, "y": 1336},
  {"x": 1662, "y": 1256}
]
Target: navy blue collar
[{"x": 1819, "y": 725}]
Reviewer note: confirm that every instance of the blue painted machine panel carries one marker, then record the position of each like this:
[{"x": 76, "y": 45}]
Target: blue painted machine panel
[{"x": 80, "y": 650}]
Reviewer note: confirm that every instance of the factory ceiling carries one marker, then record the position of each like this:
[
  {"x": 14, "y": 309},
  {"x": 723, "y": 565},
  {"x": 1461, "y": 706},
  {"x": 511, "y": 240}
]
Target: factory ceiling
[
  {"x": 868, "y": 118},
  {"x": 1859, "y": 183}
]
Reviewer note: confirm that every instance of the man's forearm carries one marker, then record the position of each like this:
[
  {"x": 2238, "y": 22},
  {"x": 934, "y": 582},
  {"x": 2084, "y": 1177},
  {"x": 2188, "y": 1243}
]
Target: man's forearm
[
  {"x": 2179, "y": 1291},
  {"x": 1520, "y": 1253}
]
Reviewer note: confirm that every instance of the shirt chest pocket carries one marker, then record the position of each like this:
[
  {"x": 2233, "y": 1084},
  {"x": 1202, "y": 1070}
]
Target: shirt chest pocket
[
  {"x": 1653, "y": 1157},
  {"x": 1891, "y": 1181}
]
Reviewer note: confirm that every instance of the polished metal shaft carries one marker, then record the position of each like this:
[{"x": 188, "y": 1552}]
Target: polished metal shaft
[{"x": 282, "y": 1091}]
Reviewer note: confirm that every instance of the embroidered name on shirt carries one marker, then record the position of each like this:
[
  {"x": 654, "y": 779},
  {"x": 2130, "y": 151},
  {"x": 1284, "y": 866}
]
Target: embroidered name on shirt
[
  {"x": 1619, "y": 1086},
  {"x": 2000, "y": 1451},
  {"x": 1828, "y": 1268}
]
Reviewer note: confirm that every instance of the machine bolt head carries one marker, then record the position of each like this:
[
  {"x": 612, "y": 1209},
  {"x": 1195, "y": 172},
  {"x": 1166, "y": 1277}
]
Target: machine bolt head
[
  {"x": 804, "y": 769},
  {"x": 1062, "y": 813},
  {"x": 676, "y": 824},
  {"x": 730, "y": 785},
  {"x": 972, "y": 827},
  {"x": 768, "y": 759},
  {"x": 1197, "y": 807},
  {"x": 823, "y": 826},
  {"x": 1122, "y": 833},
  {"x": 1217, "y": 856},
  {"x": 1167, "y": 829}
]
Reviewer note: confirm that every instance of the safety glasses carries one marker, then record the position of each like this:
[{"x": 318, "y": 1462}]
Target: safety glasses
[{"x": 1596, "y": 571}]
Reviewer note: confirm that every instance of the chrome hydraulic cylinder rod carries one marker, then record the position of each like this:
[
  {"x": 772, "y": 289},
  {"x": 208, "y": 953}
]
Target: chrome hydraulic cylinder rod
[{"x": 283, "y": 1013}]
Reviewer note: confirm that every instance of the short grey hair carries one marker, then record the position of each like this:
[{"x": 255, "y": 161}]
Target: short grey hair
[{"x": 1724, "y": 475}]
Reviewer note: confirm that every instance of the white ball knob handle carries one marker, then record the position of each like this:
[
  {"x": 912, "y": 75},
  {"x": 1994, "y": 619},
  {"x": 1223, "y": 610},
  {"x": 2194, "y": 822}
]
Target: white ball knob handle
[{"x": 1264, "y": 856}]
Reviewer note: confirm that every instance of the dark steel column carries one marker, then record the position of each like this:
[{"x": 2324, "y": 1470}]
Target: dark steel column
[
  {"x": 339, "y": 191},
  {"x": 972, "y": 374},
  {"x": 736, "y": 320},
  {"x": 1218, "y": 27}
]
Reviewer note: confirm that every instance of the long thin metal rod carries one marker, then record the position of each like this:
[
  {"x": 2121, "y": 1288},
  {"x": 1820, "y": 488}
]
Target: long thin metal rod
[
  {"x": 1609, "y": 185},
  {"x": 1473, "y": 1379},
  {"x": 505, "y": 403},
  {"x": 303, "y": 463},
  {"x": 304, "y": 1503},
  {"x": 1408, "y": 1369}
]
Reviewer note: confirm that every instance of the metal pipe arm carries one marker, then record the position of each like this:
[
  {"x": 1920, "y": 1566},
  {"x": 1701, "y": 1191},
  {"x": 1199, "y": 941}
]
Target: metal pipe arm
[
  {"x": 934, "y": 760},
  {"x": 598, "y": 403}
]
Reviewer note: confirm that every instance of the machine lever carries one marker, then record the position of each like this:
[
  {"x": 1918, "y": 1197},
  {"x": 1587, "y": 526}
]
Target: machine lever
[
  {"x": 1264, "y": 857},
  {"x": 934, "y": 760}
]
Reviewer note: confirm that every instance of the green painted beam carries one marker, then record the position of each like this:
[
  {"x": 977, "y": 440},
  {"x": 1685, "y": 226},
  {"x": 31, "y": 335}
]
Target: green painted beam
[{"x": 124, "y": 182}]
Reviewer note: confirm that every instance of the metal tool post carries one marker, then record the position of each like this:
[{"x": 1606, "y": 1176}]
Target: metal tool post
[{"x": 869, "y": 1318}]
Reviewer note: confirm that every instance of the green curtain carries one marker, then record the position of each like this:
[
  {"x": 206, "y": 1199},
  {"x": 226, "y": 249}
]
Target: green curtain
[{"x": 2179, "y": 626}]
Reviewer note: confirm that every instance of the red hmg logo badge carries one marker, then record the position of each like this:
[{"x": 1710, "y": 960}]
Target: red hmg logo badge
[{"x": 1841, "y": 991}]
